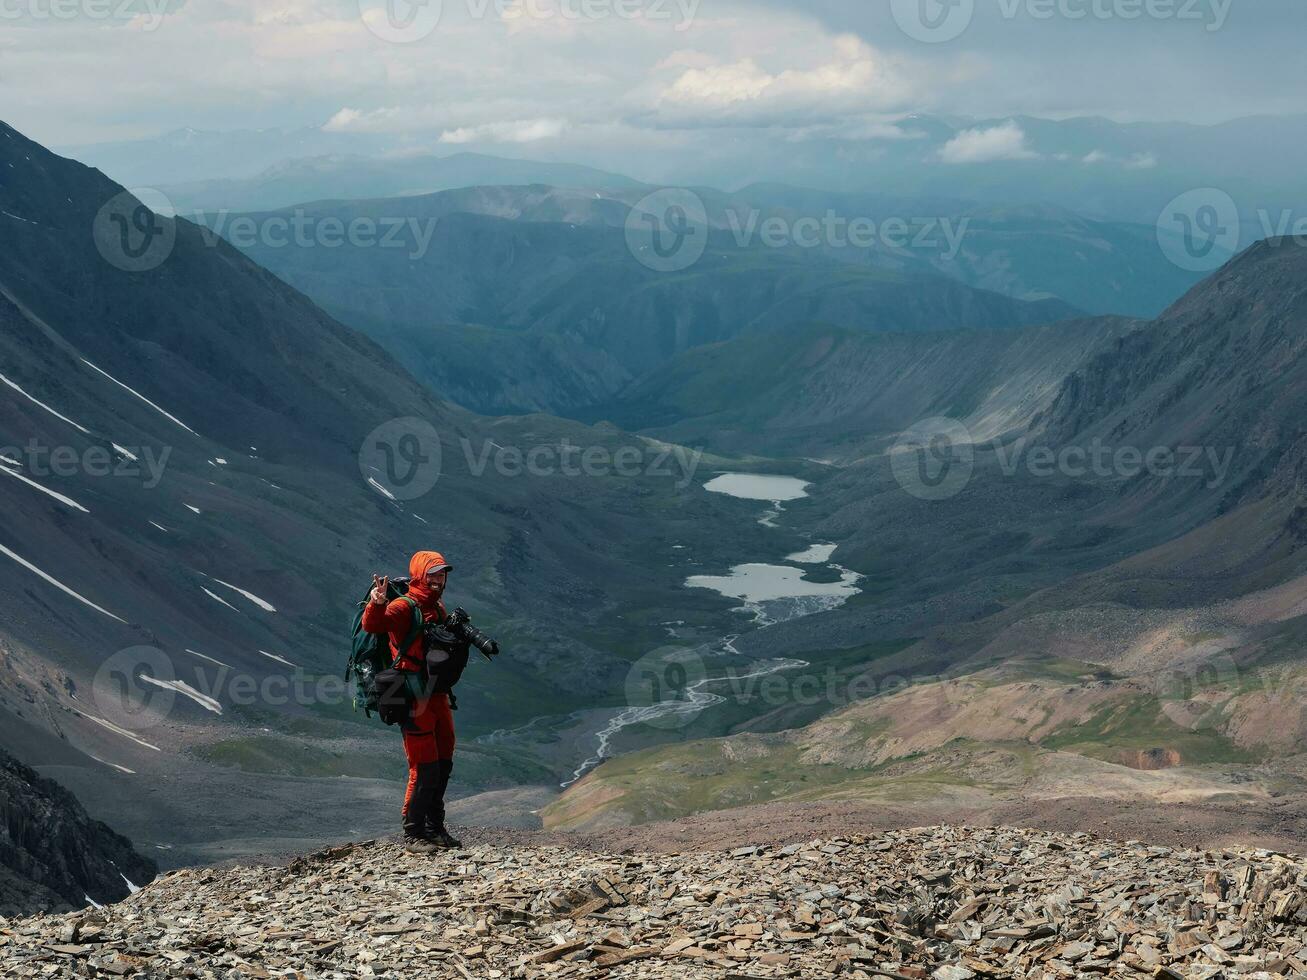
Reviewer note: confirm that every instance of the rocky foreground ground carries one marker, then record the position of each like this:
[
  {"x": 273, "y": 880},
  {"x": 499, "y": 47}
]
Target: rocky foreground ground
[{"x": 942, "y": 902}]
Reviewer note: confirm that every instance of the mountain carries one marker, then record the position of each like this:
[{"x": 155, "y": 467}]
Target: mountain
[
  {"x": 53, "y": 857},
  {"x": 1099, "y": 168},
  {"x": 1108, "y": 600},
  {"x": 1028, "y": 251},
  {"x": 201, "y": 470},
  {"x": 188, "y": 155},
  {"x": 337, "y": 177},
  {"x": 570, "y": 302},
  {"x": 842, "y": 393},
  {"x": 270, "y": 168}
]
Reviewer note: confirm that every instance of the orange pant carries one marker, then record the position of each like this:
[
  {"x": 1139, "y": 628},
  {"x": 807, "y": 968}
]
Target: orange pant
[{"x": 429, "y": 739}]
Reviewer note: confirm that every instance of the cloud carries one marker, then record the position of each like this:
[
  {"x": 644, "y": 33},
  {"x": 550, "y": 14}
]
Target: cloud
[
  {"x": 1005, "y": 142},
  {"x": 1142, "y": 161},
  {"x": 519, "y": 131},
  {"x": 344, "y": 121},
  {"x": 846, "y": 78},
  {"x": 1137, "y": 161}
]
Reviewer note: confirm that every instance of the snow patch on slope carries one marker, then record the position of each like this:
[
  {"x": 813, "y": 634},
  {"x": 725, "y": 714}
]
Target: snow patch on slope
[
  {"x": 57, "y": 584},
  {"x": 40, "y": 404},
  {"x": 66, "y": 501},
  {"x": 218, "y": 598},
  {"x": 181, "y": 687},
  {"x": 261, "y": 603},
  {"x": 121, "y": 731},
  {"x": 170, "y": 417}
]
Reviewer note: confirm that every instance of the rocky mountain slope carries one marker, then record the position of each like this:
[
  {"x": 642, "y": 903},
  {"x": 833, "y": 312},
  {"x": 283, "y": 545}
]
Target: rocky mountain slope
[
  {"x": 819, "y": 390},
  {"x": 53, "y": 857},
  {"x": 941, "y": 902}
]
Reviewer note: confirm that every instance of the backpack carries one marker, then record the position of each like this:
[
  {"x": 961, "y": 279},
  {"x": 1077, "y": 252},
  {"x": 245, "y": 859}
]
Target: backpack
[{"x": 379, "y": 687}]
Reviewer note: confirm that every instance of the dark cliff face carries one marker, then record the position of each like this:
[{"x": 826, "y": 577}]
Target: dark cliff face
[{"x": 52, "y": 854}]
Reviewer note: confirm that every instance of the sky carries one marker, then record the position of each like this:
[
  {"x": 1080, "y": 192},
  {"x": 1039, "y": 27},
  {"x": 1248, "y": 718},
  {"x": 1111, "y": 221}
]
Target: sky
[{"x": 568, "y": 78}]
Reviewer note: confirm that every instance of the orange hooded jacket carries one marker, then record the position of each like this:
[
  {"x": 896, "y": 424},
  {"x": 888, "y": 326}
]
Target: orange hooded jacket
[{"x": 396, "y": 619}]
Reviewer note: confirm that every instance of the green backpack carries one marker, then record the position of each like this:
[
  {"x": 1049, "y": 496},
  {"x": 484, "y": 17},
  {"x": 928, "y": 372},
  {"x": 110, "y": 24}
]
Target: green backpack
[{"x": 379, "y": 687}]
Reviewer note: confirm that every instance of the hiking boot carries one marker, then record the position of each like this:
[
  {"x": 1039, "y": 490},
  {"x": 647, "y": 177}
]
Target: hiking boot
[
  {"x": 419, "y": 845},
  {"x": 441, "y": 838}
]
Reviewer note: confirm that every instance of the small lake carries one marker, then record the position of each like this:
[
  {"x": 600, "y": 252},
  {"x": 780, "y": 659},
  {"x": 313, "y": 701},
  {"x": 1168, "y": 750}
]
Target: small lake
[
  {"x": 817, "y": 554},
  {"x": 775, "y": 593},
  {"x": 757, "y": 486}
]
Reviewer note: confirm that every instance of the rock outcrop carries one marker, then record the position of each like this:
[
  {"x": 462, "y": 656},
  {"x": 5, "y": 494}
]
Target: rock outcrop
[
  {"x": 944, "y": 902},
  {"x": 53, "y": 857}
]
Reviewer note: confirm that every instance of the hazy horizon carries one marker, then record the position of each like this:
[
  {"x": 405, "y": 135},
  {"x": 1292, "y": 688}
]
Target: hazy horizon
[{"x": 623, "y": 84}]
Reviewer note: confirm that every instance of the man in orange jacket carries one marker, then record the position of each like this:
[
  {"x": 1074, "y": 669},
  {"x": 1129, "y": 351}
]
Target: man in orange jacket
[{"x": 429, "y": 735}]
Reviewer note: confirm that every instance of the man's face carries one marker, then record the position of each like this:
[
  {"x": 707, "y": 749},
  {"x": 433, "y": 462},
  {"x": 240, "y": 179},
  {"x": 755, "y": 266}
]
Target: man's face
[{"x": 436, "y": 580}]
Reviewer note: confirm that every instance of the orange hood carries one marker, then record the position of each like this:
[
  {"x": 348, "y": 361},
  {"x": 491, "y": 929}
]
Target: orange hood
[{"x": 422, "y": 563}]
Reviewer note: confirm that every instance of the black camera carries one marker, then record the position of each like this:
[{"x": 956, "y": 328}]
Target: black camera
[{"x": 457, "y": 629}]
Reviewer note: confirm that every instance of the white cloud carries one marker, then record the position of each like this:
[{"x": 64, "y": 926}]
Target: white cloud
[
  {"x": 344, "y": 121},
  {"x": 519, "y": 131},
  {"x": 1005, "y": 142},
  {"x": 1141, "y": 161},
  {"x": 1095, "y": 156},
  {"x": 843, "y": 76}
]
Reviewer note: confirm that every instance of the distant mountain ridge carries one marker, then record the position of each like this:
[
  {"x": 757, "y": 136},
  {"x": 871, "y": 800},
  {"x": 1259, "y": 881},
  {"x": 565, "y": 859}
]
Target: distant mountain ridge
[
  {"x": 1097, "y": 167},
  {"x": 545, "y": 278}
]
